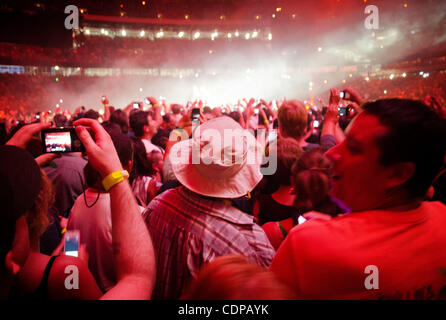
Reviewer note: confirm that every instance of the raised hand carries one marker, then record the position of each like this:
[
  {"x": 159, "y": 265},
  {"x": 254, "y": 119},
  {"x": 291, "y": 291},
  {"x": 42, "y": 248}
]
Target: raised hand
[
  {"x": 25, "y": 134},
  {"x": 101, "y": 151}
]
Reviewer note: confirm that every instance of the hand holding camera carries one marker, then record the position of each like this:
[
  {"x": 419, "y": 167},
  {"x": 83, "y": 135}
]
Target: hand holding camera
[
  {"x": 101, "y": 151},
  {"x": 61, "y": 140}
]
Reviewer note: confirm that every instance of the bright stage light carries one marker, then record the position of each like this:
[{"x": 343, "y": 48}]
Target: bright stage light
[
  {"x": 180, "y": 34},
  {"x": 196, "y": 35}
]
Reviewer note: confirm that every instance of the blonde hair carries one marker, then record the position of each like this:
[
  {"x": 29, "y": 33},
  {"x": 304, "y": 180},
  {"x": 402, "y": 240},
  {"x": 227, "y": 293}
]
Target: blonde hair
[
  {"x": 293, "y": 118},
  {"x": 231, "y": 277},
  {"x": 37, "y": 217}
]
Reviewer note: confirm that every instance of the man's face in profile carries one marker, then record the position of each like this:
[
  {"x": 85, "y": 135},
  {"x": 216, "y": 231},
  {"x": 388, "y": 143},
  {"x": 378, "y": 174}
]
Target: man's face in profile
[{"x": 359, "y": 180}]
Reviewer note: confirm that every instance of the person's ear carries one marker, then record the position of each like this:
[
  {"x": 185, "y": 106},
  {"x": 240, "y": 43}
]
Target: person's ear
[
  {"x": 400, "y": 173},
  {"x": 12, "y": 267}
]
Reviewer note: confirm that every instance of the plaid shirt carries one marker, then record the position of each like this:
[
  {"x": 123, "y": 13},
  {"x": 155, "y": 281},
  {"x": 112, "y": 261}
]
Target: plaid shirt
[{"x": 188, "y": 231}]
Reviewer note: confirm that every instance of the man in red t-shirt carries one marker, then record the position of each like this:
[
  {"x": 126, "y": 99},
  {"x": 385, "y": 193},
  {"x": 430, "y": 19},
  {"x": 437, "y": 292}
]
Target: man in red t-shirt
[{"x": 392, "y": 244}]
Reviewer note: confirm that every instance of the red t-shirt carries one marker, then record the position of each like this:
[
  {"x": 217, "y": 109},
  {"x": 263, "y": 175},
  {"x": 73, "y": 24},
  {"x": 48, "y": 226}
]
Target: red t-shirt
[{"x": 328, "y": 259}]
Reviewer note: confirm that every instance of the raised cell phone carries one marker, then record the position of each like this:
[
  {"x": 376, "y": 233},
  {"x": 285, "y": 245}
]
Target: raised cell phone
[
  {"x": 195, "y": 114},
  {"x": 61, "y": 140},
  {"x": 72, "y": 241}
]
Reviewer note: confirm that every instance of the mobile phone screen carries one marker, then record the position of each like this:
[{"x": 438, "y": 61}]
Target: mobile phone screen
[
  {"x": 72, "y": 243},
  {"x": 195, "y": 113},
  {"x": 301, "y": 220}
]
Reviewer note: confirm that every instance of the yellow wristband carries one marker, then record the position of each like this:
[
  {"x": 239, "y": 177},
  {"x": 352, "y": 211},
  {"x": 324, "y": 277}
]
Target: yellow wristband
[
  {"x": 63, "y": 231},
  {"x": 155, "y": 105},
  {"x": 266, "y": 122},
  {"x": 113, "y": 178}
]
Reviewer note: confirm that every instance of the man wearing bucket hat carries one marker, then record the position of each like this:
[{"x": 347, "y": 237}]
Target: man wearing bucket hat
[{"x": 195, "y": 223}]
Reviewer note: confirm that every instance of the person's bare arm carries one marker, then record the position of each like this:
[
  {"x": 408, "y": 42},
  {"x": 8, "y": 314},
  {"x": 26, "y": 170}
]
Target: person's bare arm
[
  {"x": 339, "y": 134},
  {"x": 157, "y": 109},
  {"x": 25, "y": 134},
  {"x": 132, "y": 245},
  {"x": 106, "y": 116},
  {"x": 331, "y": 117},
  {"x": 135, "y": 264},
  {"x": 353, "y": 96},
  {"x": 269, "y": 108}
]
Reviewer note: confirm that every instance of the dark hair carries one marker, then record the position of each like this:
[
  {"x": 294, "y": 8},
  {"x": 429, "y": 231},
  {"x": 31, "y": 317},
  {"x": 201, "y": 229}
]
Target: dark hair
[
  {"x": 207, "y": 109},
  {"x": 235, "y": 115},
  {"x": 176, "y": 108},
  {"x": 60, "y": 120},
  {"x": 288, "y": 152},
  {"x": 137, "y": 122},
  {"x": 415, "y": 134},
  {"x": 120, "y": 118},
  {"x": 91, "y": 114},
  {"x": 142, "y": 166}
]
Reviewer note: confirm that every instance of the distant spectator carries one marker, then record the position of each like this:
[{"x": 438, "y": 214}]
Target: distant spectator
[
  {"x": 120, "y": 118},
  {"x": 60, "y": 120}
]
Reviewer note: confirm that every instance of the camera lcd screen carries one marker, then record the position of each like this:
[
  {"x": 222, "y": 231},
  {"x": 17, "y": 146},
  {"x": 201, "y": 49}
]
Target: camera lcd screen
[{"x": 58, "y": 142}]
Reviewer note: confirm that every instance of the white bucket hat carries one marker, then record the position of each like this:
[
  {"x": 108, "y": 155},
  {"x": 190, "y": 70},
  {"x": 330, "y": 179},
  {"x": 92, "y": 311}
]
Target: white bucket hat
[{"x": 221, "y": 160}]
